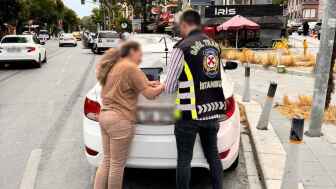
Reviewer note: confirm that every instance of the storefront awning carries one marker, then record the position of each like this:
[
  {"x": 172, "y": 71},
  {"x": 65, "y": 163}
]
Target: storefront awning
[{"x": 238, "y": 22}]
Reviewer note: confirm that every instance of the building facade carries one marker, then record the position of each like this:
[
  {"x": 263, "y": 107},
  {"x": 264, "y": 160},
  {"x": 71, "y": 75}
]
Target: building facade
[{"x": 300, "y": 11}]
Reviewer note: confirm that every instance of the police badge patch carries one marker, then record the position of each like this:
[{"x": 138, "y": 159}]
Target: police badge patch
[{"x": 210, "y": 62}]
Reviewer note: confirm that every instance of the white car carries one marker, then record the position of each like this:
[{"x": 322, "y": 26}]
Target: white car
[
  {"x": 22, "y": 48},
  {"x": 44, "y": 35},
  {"x": 67, "y": 39},
  {"x": 154, "y": 143},
  {"x": 105, "y": 40}
]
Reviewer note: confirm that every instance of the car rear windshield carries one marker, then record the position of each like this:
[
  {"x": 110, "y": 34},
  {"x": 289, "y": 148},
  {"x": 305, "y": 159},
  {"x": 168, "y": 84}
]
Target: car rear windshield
[
  {"x": 108, "y": 35},
  {"x": 14, "y": 40},
  {"x": 44, "y": 32}
]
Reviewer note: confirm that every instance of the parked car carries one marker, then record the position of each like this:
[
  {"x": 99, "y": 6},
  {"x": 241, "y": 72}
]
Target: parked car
[
  {"x": 44, "y": 35},
  {"x": 22, "y": 49},
  {"x": 154, "y": 142},
  {"x": 77, "y": 35},
  {"x": 67, "y": 39},
  {"x": 105, "y": 40}
]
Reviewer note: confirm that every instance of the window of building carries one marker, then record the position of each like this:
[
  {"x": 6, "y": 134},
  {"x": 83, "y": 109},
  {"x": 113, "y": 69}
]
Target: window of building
[{"x": 309, "y": 13}]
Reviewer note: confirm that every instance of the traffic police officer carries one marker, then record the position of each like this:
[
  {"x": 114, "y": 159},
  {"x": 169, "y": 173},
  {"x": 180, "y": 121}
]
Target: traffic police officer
[{"x": 194, "y": 74}]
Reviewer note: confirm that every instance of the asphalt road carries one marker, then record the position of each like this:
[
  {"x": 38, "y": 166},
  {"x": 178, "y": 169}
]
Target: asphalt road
[{"x": 41, "y": 129}]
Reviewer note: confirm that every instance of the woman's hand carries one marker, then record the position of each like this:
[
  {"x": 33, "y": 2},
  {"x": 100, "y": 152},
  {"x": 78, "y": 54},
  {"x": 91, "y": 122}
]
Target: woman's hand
[
  {"x": 153, "y": 90},
  {"x": 154, "y": 83}
]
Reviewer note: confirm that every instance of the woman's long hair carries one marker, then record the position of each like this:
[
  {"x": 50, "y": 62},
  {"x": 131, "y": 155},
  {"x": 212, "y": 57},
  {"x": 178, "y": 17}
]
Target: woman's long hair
[{"x": 111, "y": 57}]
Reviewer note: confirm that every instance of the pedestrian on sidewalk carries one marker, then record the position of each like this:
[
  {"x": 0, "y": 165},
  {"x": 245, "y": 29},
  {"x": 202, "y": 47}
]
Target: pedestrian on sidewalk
[
  {"x": 122, "y": 82},
  {"x": 194, "y": 72}
]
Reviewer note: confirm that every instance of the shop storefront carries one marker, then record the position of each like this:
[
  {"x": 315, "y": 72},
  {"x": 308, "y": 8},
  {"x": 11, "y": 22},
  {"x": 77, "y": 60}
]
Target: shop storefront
[{"x": 269, "y": 17}]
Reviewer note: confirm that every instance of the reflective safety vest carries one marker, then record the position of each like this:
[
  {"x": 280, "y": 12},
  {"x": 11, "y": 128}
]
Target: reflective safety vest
[{"x": 200, "y": 94}]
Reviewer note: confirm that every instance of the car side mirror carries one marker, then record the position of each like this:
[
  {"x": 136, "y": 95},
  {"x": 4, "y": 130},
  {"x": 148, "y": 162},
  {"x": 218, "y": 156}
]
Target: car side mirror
[{"x": 230, "y": 65}]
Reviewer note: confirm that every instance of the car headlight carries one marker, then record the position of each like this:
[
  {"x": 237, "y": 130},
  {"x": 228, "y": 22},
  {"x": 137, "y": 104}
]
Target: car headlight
[{"x": 157, "y": 116}]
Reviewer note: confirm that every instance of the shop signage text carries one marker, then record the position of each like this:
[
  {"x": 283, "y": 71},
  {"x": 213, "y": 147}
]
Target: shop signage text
[{"x": 243, "y": 10}]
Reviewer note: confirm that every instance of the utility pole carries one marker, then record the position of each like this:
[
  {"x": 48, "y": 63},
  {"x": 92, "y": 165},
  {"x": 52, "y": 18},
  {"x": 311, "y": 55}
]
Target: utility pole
[{"x": 323, "y": 69}]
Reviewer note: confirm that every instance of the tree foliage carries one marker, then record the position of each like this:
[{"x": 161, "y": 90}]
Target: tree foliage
[
  {"x": 45, "y": 13},
  {"x": 280, "y": 2}
]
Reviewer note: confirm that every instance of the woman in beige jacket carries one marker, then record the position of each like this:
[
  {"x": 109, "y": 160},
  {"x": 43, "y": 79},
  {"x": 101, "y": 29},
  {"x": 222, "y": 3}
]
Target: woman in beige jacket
[{"x": 122, "y": 83}]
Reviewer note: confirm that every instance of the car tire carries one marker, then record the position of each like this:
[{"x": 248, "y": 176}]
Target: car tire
[
  {"x": 45, "y": 58},
  {"x": 38, "y": 63},
  {"x": 234, "y": 165}
]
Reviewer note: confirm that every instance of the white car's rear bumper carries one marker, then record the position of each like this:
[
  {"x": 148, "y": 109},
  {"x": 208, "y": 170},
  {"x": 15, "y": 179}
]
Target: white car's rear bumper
[
  {"x": 8, "y": 57},
  {"x": 159, "y": 151}
]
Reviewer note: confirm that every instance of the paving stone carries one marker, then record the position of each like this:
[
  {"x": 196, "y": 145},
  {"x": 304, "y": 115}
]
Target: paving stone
[
  {"x": 254, "y": 182},
  {"x": 311, "y": 168},
  {"x": 318, "y": 187},
  {"x": 328, "y": 162},
  {"x": 245, "y": 139},
  {"x": 273, "y": 165},
  {"x": 317, "y": 180},
  {"x": 273, "y": 184},
  {"x": 250, "y": 164}
]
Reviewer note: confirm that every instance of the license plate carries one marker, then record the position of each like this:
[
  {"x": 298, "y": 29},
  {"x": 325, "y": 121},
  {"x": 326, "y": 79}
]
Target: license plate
[{"x": 13, "y": 49}]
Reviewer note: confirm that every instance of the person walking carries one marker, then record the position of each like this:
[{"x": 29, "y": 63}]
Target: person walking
[
  {"x": 194, "y": 73},
  {"x": 122, "y": 82}
]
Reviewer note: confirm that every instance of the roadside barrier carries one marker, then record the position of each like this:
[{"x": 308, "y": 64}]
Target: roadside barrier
[
  {"x": 291, "y": 177},
  {"x": 246, "y": 95},
  {"x": 266, "y": 111}
]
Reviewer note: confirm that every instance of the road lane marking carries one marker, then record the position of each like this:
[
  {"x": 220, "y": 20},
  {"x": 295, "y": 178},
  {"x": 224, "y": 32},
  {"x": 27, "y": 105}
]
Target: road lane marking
[
  {"x": 59, "y": 80},
  {"x": 29, "y": 176}
]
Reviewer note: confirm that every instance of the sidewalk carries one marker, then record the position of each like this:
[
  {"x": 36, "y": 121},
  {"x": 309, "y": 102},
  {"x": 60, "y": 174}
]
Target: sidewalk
[{"x": 316, "y": 156}]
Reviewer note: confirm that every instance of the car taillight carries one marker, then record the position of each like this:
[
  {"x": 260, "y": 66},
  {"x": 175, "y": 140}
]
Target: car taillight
[
  {"x": 91, "y": 151},
  {"x": 230, "y": 106},
  {"x": 31, "y": 49},
  {"x": 224, "y": 154},
  {"x": 91, "y": 109}
]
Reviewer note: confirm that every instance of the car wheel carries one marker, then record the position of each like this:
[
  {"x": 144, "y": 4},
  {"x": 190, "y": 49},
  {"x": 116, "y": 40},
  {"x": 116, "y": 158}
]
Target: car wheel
[
  {"x": 234, "y": 165},
  {"x": 38, "y": 63},
  {"x": 45, "y": 57}
]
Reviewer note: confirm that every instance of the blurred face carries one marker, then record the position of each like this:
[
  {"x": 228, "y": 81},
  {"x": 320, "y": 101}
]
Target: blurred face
[
  {"x": 136, "y": 56},
  {"x": 184, "y": 29}
]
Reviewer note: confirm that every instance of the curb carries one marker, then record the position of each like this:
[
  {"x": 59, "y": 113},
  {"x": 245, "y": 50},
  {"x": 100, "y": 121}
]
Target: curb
[
  {"x": 268, "y": 150},
  {"x": 274, "y": 69}
]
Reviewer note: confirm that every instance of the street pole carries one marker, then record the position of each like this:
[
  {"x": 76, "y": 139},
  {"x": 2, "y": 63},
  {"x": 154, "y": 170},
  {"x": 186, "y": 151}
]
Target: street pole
[{"x": 323, "y": 69}]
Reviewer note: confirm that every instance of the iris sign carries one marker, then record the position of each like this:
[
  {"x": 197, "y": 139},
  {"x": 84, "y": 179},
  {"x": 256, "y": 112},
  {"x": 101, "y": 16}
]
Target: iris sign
[{"x": 243, "y": 10}]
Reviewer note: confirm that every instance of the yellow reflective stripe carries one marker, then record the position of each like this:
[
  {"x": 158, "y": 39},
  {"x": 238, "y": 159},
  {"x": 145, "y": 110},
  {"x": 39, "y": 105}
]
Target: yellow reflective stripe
[
  {"x": 193, "y": 114},
  {"x": 177, "y": 114},
  {"x": 193, "y": 101},
  {"x": 188, "y": 72}
]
